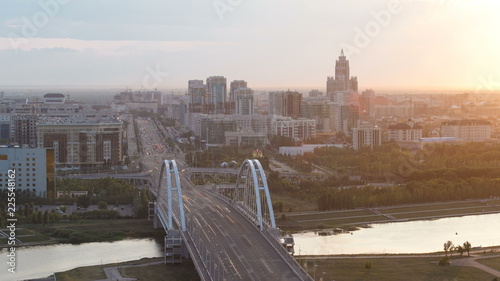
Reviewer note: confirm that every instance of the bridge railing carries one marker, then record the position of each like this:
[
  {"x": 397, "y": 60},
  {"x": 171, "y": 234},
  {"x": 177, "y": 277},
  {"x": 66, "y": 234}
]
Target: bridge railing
[
  {"x": 289, "y": 259},
  {"x": 295, "y": 268}
]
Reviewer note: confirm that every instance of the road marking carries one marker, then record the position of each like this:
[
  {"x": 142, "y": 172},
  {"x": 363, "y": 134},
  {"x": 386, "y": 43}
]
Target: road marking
[{"x": 266, "y": 266}]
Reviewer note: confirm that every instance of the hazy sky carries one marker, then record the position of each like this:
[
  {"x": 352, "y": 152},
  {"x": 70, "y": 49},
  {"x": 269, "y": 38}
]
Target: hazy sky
[{"x": 403, "y": 44}]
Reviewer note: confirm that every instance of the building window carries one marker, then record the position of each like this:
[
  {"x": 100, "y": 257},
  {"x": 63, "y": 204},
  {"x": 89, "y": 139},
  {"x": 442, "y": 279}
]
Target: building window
[
  {"x": 33, "y": 169},
  {"x": 33, "y": 159}
]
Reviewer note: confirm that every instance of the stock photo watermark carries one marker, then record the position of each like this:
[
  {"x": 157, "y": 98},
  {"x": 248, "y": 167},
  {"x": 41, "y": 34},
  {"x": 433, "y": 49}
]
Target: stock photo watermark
[
  {"x": 153, "y": 78},
  {"x": 364, "y": 36},
  {"x": 11, "y": 220},
  {"x": 31, "y": 25},
  {"x": 490, "y": 83},
  {"x": 223, "y": 7}
]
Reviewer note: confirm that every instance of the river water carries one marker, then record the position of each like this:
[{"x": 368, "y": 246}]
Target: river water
[
  {"x": 404, "y": 237},
  {"x": 396, "y": 238},
  {"x": 42, "y": 261}
]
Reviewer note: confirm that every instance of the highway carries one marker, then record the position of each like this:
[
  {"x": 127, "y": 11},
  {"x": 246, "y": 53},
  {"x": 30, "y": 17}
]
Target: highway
[
  {"x": 235, "y": 248},
  {"x": 244, "y": 252}
]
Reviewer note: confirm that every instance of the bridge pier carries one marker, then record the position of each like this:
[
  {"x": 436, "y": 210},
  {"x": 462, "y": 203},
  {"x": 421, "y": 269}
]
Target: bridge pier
[{"x": 174, "y": 248}]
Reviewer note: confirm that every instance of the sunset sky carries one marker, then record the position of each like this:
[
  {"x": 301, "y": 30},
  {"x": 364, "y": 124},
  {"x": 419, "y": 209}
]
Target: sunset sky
[{"x": 406, "y": 44}]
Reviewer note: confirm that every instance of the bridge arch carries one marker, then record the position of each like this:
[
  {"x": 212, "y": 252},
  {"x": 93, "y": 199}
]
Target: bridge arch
[
  {"x": 169, "y": 184},
  {"x": 252, "y": 195}
]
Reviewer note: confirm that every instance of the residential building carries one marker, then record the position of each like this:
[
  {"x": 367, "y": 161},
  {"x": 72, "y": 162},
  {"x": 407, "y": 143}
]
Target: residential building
[
  {"x": 366, "y": 137},
  {"x": 408, "y": 131},
  {"x": 235, "y": 85},
  {"x": 297, "y": 129},
  {"x": 31, "y": 169},
  {"x": 286, "y": 104},
  {"x": 217, "y": 94},
  {"x": 243, "y": 101},
  {"x": 468, "y": 130},
  {"x": 82, "y": 142}
]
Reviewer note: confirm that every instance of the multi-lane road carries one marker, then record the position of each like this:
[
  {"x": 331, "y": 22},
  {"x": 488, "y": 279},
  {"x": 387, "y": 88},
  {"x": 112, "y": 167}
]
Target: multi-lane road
[
  {"x": 235, "y": 248},
  {"x": 244, "y": 252}
]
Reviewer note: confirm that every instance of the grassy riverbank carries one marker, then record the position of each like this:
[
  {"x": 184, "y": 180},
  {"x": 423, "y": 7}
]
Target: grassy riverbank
[
  {"x": 296, "y": 221},
  {"x": 160, "y": 272},
  {"x": 399, "y": 268},
  {"x": 85, "y": 231}
]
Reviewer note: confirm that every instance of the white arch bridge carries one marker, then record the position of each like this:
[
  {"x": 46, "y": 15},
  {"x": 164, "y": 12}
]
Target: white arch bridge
[{"x": 230, "y": 235}]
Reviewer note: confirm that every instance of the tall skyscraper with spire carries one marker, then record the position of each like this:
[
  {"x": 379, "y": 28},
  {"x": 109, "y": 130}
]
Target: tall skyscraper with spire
[
  {"x": 342, "y": 82},
  {"x": 342, "y": 89}
]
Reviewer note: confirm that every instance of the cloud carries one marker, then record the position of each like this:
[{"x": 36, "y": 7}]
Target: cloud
[{"x": 107, "y": 47}]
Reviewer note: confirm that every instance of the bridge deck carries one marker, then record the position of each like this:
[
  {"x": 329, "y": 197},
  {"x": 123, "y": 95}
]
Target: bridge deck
[{"x": 238, "y": 245}]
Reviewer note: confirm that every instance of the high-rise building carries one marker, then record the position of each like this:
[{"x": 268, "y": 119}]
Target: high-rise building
[
  {"x": 5, "y": 127},
  {"x": 366, "y": 137},
  {"x": 319, "y": 111},
  {"x": 217, "y": 94},
  {"x": 349, "y": 118},
  {"x": 243, "y": 101},
  {"x": 287, "y": 104},
  {"x": 367, "y": 103},
  {"x": 235, "y": 85},
  {"x": 197, "y": 92},
  {"x": 342, "y": 81},
  {"x": 24, "y": 129},
  {"x": 82, "y": 142}
]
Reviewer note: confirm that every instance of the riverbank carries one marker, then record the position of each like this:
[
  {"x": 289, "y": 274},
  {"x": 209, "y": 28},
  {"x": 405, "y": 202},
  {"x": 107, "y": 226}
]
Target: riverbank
[
  {"x": 151, "y": 269},
  {"x": 350, "y": 219},
  {"x": 84, "y": 231},
  {"x": 405, "y": 267}
]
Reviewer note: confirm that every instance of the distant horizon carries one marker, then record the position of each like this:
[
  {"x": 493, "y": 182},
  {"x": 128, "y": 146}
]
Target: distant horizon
[{"x": 65, "y": 89}]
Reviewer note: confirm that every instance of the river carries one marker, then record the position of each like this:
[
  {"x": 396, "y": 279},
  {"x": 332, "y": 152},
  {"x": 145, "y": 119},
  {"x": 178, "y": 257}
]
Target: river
[
  {"x": 395, "y": 238},
  {"x": 404, "y": 237},
  {"x": 42, "y": 261}
]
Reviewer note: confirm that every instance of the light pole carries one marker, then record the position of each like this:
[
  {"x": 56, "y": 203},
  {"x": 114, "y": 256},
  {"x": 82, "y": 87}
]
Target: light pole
[{"x": 314, "y": 270}]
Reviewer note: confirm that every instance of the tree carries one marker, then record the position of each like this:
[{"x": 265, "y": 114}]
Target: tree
[
  {"x": 102, "y": 205},
  {"x": 83, "y": 201},
  {"x": 467, "y": 247},
  {"x": 447, "y": 247},
  {"x": 460, "y": 250}
]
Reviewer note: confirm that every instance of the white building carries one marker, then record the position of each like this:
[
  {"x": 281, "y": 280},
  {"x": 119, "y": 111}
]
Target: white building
[
  {"x": 408, "y": 131},
  {"x": 300, "y": 150},
  {"x": 298, "y": 129},
  {"x": 30, "y": 168},
  {"x": 468, "y": 130},
  {"x": 366, "y": 137}
]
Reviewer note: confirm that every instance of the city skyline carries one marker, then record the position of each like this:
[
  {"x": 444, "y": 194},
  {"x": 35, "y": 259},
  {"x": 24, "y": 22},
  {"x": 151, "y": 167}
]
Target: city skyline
[{"x": 406, "y": 44}]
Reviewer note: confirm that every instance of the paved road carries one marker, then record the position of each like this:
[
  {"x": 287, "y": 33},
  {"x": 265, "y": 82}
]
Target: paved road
[
  {"x": 472, "y": 262},
  {"x": 244, "y": 251}
]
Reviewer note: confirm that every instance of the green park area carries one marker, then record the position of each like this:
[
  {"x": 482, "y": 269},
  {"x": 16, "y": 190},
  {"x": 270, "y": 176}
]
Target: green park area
[
  {"x": 149, "y": 269},
  {"x": 389, "y": 268}
]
